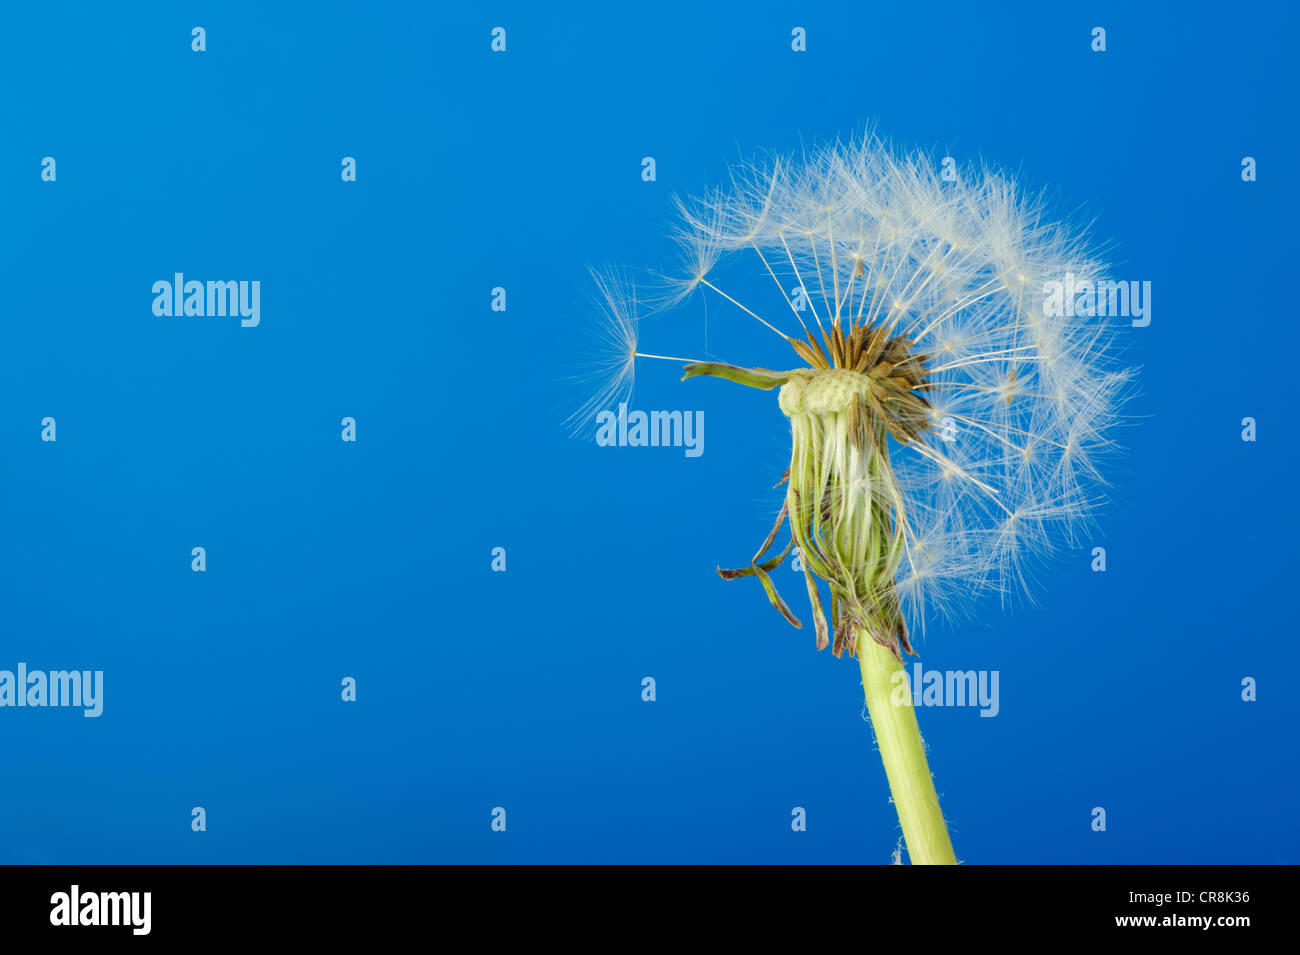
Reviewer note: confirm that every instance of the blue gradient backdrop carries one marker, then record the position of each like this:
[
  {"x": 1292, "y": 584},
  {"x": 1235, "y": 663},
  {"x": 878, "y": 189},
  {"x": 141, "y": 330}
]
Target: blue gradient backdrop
[{"x": 371, "y": 559}]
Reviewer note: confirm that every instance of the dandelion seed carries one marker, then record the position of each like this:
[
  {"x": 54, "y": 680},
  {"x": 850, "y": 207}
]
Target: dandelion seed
[{"x": 611, "y": 357}]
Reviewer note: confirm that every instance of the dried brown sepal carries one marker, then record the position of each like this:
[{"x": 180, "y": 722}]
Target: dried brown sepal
[
  {"x": 775, "y": 598},
  {"x": 755, "y": 569},
  {"x": 845, "y": 638},
  {"x": 752, "y": 570},
  {"x": 819, "y": 617}
]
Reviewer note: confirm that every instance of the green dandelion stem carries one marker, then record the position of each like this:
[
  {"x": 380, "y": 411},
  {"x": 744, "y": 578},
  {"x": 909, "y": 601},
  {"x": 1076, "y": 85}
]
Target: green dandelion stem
[{"x": 889, "y": 701}]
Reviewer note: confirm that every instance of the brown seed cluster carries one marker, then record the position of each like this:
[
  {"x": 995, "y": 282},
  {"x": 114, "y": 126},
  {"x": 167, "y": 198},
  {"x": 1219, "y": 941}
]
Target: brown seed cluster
[{"x": 898, "y": 374}]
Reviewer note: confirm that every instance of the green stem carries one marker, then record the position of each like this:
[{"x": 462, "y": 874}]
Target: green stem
[
  {"x": 889, "y": 700},
  {"x": 762, "y": 378}
]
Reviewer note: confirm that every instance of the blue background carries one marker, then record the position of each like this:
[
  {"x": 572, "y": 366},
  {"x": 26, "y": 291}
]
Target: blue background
[{"x": 372, "y": 560}]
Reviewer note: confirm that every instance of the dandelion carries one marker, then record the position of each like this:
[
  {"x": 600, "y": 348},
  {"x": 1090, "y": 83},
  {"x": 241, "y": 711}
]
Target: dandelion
[{"x": 945, "y": 425}]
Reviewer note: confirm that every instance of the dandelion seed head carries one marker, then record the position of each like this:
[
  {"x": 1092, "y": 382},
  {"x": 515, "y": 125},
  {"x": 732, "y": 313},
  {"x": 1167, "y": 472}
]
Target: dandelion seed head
[{"x": 979, "y": 418}]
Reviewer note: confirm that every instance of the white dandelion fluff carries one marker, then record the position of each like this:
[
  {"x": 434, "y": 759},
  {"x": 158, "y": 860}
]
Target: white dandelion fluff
[{"x": 611, "y": 358}]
